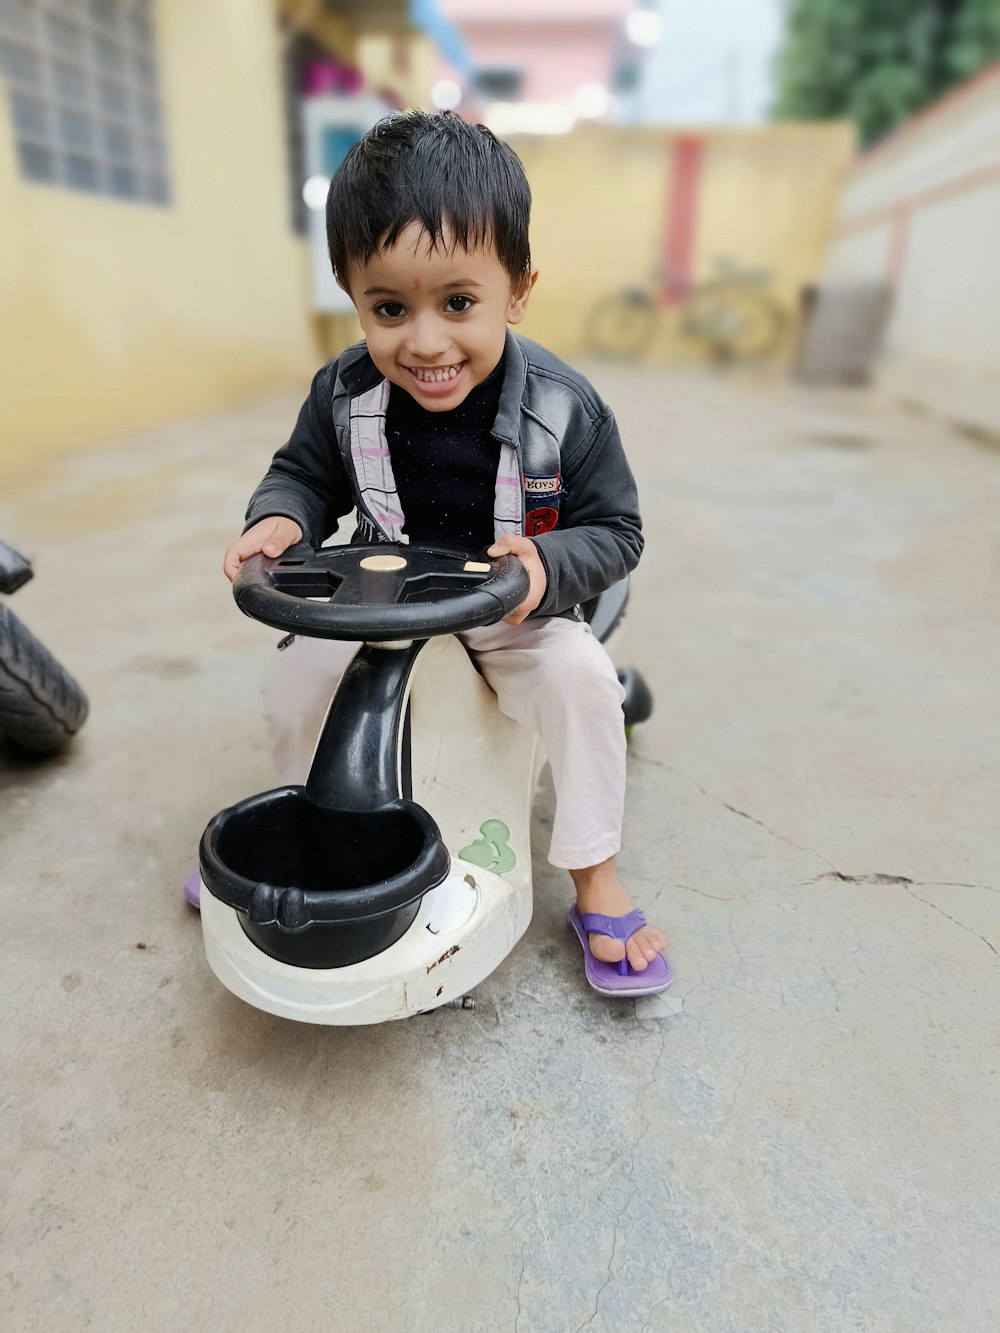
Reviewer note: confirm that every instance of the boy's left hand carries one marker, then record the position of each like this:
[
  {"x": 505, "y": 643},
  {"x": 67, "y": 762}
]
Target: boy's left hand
[{"x": 527, "y": 553}]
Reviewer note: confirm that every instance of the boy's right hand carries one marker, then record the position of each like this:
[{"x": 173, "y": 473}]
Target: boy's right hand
[{"x": 271, "y": 535}]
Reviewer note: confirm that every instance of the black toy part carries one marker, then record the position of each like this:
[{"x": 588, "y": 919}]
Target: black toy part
[
  {"x": 379, "y": 593},
  {"x": 604, "y": 613},
  {"x": 322, "y": 888},
  {"x": 356, "y": 764},
  {"x": 638, "y": 703},
  {"x": 332, "y": 873},
  {"x": 15, "y": 570}
]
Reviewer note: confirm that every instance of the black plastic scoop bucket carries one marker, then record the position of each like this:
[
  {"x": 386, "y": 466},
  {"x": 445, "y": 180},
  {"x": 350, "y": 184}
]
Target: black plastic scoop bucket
[{"x": 317, "y": 887}]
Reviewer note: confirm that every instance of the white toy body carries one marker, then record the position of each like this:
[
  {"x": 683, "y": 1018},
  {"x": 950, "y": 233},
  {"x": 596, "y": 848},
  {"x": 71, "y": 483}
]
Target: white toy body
[{"x": 470, "y": 766}]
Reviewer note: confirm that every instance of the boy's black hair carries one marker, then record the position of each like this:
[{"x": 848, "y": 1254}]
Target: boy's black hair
[{"x": 435, "y": 169}]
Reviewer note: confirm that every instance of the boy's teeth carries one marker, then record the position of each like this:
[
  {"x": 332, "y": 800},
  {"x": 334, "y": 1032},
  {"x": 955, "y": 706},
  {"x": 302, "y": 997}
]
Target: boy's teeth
[{"x": 445, "y": 373}]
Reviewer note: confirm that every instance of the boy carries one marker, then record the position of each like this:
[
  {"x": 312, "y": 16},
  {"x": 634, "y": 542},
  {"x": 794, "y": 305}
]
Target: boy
[{"x": 443, "y": 427}]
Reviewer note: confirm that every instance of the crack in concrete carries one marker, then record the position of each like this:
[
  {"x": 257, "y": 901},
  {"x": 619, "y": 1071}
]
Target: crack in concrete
[
  {"x": 833, "y": 873},
  {"x": 652, "y": 1312},
  {"x": 716, "y": 897},
  {"x": 743, "y": 814},
  {"x": 732, "y": 937},
  {"x": 877, "y": 878},
  {"x": 684, "y": 995},
  {"x": 642, "y": 1097},
  {"x": 614, "y": 1249},
  {"x": 498, "y": 1040},
  {"x": 908, "y": 886},
  {"x": 880, "y": 878},
  {"x": 739, "y": 1085},
  {"x": 646, "y": 1123},
  {"x": 520, "y": 1284},
  {"x": 941, "y": 912}
]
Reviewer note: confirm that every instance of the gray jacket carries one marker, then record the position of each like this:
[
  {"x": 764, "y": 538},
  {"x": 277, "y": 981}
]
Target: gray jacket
[{"x": 563, "y": 479}]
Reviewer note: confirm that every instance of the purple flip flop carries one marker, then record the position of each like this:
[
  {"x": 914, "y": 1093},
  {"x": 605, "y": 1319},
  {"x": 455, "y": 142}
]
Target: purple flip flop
[
  {"x": 192, "y": 889},
  {"x": 618, "y": 978}
]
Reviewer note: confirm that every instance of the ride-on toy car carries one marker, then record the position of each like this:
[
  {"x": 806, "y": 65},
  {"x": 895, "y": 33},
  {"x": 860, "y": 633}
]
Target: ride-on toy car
[{"x": 399, "y": 875}]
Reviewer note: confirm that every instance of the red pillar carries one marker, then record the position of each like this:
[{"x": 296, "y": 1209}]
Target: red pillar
[{"x": 684, "y": 165}]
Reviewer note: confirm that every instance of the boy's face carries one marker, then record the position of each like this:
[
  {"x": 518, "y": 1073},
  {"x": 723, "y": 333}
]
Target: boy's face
[{"x": 436, "y": 319}]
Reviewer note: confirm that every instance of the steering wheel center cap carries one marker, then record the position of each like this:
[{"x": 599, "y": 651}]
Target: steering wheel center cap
[{"x": 385, "y": 564}]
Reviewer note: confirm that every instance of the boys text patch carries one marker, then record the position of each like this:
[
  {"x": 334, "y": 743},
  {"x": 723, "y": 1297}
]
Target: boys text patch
[{"x": 542, "y": 498}]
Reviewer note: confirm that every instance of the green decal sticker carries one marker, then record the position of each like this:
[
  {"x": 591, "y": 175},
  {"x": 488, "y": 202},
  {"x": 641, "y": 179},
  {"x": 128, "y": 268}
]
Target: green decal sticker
[{"x": 491, "y": 851}]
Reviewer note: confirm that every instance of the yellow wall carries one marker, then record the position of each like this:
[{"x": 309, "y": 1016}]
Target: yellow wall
[
  {"x": 114, "y": 314},
  {"x": 404, "y": 64},
  {"x": 768, "y": 199}
]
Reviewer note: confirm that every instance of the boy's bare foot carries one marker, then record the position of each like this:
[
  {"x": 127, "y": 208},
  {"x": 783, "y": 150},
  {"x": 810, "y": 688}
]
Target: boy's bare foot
[{"x": 598, "y": 889}]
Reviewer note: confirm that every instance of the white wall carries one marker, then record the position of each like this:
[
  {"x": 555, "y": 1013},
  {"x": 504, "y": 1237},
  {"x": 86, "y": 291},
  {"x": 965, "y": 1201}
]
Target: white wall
[
  {"x": 948, "y": 304},
  {"x": 862, "y": 256},
  {"x": 922, "y": 211}
]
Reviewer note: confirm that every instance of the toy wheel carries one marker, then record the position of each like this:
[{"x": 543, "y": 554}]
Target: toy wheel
[{"x": 41, "y": 705}]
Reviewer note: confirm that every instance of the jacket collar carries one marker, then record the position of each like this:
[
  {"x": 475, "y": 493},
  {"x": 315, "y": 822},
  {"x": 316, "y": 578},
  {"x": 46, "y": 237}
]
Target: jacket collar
[
  {"x": 506, "y": 427},
  {"x": 358, "y": 373}
]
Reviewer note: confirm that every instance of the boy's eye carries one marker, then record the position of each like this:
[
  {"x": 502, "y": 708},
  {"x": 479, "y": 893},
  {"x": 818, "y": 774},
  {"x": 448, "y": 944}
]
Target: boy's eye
[
  {"x": 390, "y": 309},
  {"x": 458, "y": 305}
]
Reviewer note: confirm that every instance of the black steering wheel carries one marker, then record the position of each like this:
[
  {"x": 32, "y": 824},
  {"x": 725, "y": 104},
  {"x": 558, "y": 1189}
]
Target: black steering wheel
[{"x": 379, "y": 593}]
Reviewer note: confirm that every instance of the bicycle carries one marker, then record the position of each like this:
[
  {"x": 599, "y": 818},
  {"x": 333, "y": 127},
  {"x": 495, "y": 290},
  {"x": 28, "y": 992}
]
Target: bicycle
[{"x": 731, "y": 313}]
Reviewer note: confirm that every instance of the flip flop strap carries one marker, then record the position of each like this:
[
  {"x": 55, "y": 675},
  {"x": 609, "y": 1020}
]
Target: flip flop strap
[{"x": 618, "y": 927}]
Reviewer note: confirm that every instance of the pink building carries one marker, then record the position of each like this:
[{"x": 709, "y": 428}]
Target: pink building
[{"x": 537, "y": 51}]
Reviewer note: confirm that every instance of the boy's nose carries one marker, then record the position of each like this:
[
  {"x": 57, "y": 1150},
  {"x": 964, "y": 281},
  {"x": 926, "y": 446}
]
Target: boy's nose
[{"x": 426, "y": 339}]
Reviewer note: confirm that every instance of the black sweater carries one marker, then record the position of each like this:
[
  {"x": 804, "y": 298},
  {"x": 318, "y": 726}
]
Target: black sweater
[{"x": 445, "y": 465}]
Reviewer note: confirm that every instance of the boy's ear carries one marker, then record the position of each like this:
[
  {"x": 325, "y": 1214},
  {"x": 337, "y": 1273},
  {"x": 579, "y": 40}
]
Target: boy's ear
[{"x": 519, "y": 297}]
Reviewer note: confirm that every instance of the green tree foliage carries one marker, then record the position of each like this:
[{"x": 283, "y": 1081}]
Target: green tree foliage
[{"x": 879, "y": 61}]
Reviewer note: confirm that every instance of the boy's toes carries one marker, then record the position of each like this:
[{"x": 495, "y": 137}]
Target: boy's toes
[
  {"x": 643, "y": 947},
  {"x": 607, "y": 950},
  {"x": 640, "y": 949},
  {"x": 638, "y": 957}
]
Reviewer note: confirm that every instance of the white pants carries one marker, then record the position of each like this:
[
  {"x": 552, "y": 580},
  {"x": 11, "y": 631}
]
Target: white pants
[{"x": 550, "y": 675}]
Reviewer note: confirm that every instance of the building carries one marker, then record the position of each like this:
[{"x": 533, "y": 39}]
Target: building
[
  {"x": 918, "y": 221},
  {"x": 153, "y": 256},
  {"x": 538, "y": 65}
]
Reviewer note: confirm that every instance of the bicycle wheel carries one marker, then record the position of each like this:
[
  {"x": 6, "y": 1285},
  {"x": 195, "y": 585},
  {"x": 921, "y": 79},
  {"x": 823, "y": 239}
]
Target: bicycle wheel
[
  {"x": 41, "y": 705},
  {"x": 620, "y": 325},
  {"x": 737, "y": 323}
]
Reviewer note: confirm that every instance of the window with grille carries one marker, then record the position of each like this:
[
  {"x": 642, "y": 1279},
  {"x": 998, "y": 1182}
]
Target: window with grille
[{"x": 84, "y": 101}]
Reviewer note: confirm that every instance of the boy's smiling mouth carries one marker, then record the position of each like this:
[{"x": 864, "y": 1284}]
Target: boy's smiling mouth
[{"x": 436, "y": 375}]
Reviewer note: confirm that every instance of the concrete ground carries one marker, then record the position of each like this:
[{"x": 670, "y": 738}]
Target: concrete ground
[{"x": 804, "y": 1140}]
